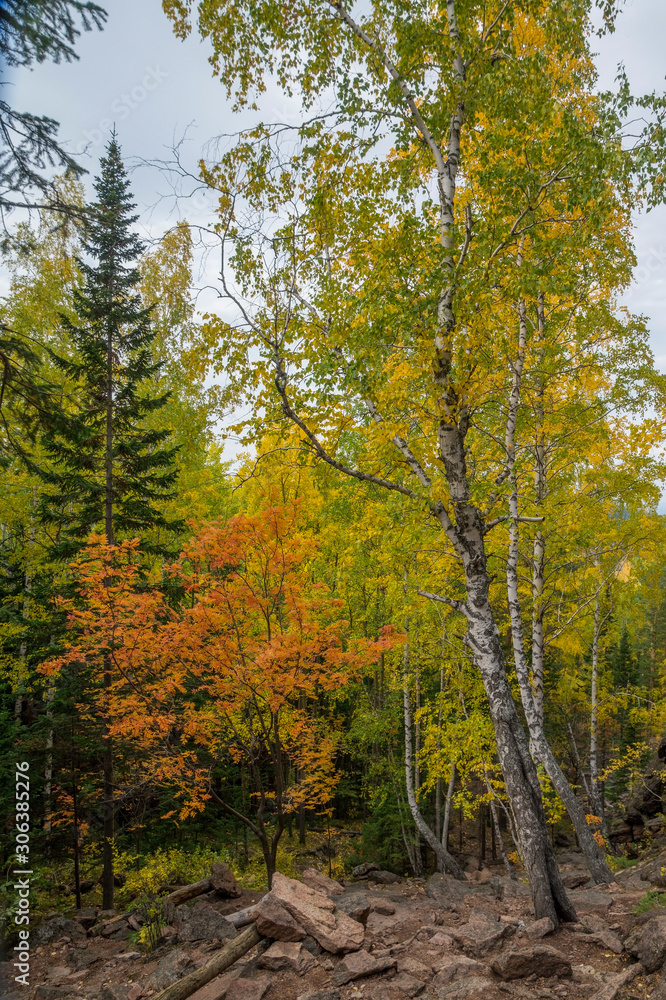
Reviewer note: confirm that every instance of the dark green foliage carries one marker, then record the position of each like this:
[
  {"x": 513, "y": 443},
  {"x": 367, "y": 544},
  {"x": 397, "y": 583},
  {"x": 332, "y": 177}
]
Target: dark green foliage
[
  {"x": 107, "y": 471},
  {"x": 36, "y": 30},
  {"x": 32, "y": 31}
]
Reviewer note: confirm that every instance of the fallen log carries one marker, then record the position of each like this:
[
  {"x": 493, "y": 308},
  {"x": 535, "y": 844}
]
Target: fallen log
[
  {"x": 241, "y": 917},
  {"x": 225, "y": 957},
  {"x": 185, "y": 892}
]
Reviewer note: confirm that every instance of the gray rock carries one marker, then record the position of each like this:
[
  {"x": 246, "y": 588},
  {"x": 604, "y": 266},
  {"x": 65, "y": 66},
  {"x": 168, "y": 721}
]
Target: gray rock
[
  {"x": 355, "y": 904},
  {"x": 58, "y": 927},
  {"x": 540, "y": 960},
  {"x": 274, "y": 921},
  {"x": 384, "y": 878},
  {"x": 414, "y": 967},
  {"x": 591, "y": 899},
  {"x": 539, "y": 928},
  {"x": 171, "y": 968},
  {"x": 318, "y": 915},
  {"x": 289, "y": 956},
  {"x": 223, "y": 881},
  {"x": 44, "y": 992},
  {"x": 481, "y": 934},
  {"x": 358, "y": 965},
  {"x": 613, "y": 986},
  {"x": 202, "y": 923},
  {"x": 362, "y": 871},
  {"x": 85, "y": 957},
  {"x": 447, "y": 891},
  {"x": 322, "y": 883},
  {"x": 408, "y": 985},
  {"x": 647, "y": 942},
  {"x": 248, "y": 989},
  {"x": 455, "y": 967},
  {"x": 114, "y": 991},
  {"x": 87, "y": 916}
]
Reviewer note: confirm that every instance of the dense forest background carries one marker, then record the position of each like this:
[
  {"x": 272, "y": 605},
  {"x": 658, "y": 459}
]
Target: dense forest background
[{"x": 439, "y": 545}]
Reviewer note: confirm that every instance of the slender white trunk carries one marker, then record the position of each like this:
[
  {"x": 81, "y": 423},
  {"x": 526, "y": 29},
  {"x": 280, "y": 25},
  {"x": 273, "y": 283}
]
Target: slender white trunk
[
  {"x": 440, "y": 852},
  {"x": 595, "y": 797},
  {"x": 448, "y": 807}
]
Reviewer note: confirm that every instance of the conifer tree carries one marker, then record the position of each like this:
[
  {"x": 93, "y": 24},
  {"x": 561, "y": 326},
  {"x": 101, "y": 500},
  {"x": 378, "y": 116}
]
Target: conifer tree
[{"x": 107, "y": 471}]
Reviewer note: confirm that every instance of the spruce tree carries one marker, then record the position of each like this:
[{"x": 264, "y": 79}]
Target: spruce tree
[{"x": 107, "y": 470}]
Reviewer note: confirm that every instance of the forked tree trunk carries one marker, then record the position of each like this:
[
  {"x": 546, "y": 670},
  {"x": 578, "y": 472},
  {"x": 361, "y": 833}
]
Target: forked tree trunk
[
  {"x": 440, "y": 851},
  {"x": 595, "y": 859}
]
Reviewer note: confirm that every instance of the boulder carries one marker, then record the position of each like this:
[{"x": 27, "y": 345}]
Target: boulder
[
  {"x": 539, "y": 928},
  {"x": 57, "y": 974},
  {"x": 446, "y": 891},
  {"x": 512, "y": 888},
  {"x": 647, "y": 942},
  {"x": 58, "y": 927},
  {"x": 614, "y": 986},
  {"x": 85, "y": 957},
  {"x": 290, "y": 956},
  {"x": 319, "y": 917},
  {"x": 408, "y": 985},
  {"x": 355, "y": 904},
  {"x": 456, "y": 967},
  {"x": 441, "y": 940},
  {"x": 115, "y": 991},
  {"x": 248, "y": 989},
  {"x": 384, "y": 878},
  {"x": 591, "y": 900},
  {"x": 362, "y": 871},
  {"x": 414, "y": 967},
  {"x": 481, "y": 934},
  {"x": 44, "y": 992},
  {"x": 540, "y": 960},
  {"x": 358, "y": 965},
  {"x": 383, "y": 907},
  {"x": 322, "y": 883},
  {"x": 170, "y": 969},
  {"x": 223, "y": 881},
  {"x": 274, "y": 921},
  {"x": 202, "y": 923},
  {"x": 87, "y": 916}
]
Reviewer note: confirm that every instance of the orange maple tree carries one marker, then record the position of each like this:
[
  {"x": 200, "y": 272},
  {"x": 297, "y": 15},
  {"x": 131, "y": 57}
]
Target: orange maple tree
[{"x": 232, "y": 674}]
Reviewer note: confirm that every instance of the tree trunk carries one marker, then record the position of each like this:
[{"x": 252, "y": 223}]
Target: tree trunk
[
  {"x": 595, "y": 798},
  {"x": 108, "y": 889},
  {"x": 447, "y": 859},
  {"x": 447, "y": 808},
  {"x": 542, "y": 750},
  {"x": 213, "y": 967}
]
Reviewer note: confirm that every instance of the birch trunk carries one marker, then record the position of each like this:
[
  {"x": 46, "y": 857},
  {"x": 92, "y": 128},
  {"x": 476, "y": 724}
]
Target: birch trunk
[
  {"x": 595, "y": 798},
  {"x": 596, "y": 861},
  {"x": 447, "y": 859}
]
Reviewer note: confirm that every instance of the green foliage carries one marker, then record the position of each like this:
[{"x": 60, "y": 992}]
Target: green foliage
[{"x": 652, "y": 900}]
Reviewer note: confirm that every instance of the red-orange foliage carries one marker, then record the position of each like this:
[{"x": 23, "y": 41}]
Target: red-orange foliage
[{"x": 233, "y": 672}]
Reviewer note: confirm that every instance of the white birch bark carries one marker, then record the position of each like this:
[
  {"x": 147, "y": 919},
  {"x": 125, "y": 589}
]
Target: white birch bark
[
  {"x": 540, "y": 746},
  {"x": 447, "y": 859}
]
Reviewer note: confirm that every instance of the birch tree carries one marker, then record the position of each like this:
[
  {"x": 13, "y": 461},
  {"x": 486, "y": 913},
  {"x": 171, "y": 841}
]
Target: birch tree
[{"x": 383, "y": 255}]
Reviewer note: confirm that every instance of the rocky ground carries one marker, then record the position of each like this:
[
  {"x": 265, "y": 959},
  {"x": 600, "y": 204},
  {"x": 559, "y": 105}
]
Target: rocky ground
[{"x": 378, "y": 937}]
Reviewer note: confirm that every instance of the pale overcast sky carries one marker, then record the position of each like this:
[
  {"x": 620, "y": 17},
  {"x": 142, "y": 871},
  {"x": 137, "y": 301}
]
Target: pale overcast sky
[{"x": 138, "y": 75}]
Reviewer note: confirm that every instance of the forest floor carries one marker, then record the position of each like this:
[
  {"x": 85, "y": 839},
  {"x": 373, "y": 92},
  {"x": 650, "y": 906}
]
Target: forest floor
[{"x": 428, "y": 939}]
